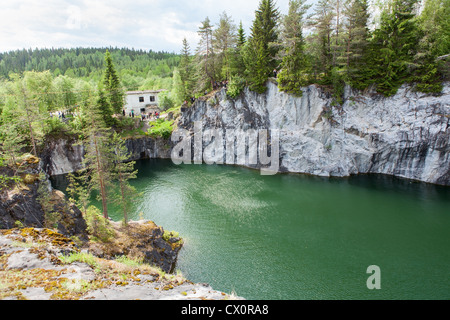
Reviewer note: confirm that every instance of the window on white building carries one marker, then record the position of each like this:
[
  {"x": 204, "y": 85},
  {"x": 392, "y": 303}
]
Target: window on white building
[{"x": 141, "y": 99}]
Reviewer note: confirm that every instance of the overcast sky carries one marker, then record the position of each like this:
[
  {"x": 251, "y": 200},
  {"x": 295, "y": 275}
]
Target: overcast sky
[{"x": 159, "y": 25}]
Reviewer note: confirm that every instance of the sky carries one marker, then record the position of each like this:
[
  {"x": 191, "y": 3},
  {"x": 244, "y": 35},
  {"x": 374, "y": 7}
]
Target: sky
[{"x": 158, "y": 25}]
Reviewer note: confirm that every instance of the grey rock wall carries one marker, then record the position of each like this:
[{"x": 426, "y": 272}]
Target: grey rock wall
[{"x": 405, "y": 135}]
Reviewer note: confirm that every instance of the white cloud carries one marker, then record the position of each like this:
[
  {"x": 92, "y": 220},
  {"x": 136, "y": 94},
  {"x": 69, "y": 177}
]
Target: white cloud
[{"x": 143, "y": 24}]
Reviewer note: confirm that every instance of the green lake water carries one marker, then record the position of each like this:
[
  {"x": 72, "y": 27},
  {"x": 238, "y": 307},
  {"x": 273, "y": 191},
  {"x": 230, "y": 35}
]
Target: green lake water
[{"x": 292, "y": 236}]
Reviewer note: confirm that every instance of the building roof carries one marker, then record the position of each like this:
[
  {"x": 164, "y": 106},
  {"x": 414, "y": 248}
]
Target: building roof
[{"x": 145, "y": 92}]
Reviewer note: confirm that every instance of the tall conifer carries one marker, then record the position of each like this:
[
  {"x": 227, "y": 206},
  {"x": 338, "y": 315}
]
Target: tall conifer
[{"x": 261, "y": 50}]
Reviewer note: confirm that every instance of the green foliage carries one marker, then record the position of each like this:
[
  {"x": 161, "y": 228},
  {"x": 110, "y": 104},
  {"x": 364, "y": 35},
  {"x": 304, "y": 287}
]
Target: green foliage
[
  {"x": 170, "y": 234},
  {"x": 97, "y": 225},
  {"x": 187, "y": 70},
  {"x": 434, "y": 41},
  {"x": 112, "y": 86},
  {"x": 105, "y": 109},
  {"x": 80, "y": 257},
  {"x": 294, "y": 64},
  {"x": 79, "y": 190},
  {"x": 338, "y": 84},
  {"x": 87, "y": 63},
  {"x": 236, "y": 86},
  {"x": 260, "y": 52},
  {"x": 122, "y": 172},
  {"x": 356, "y": 57},
  {"x": 395, "y": 42},
  {"x": 134, "y": 263},
  {"x": 165, "y": 101},
  {"x": 161, "y": 129},
  {"x": 5, "y": 181}
]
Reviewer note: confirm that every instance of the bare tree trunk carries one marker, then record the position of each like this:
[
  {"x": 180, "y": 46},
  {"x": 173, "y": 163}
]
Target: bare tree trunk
[
  {"x": 337, "y": 33},
  {"x": 101, "y": 179},
  {"x": 28, "y": 119},
  {"x": 122, "y": 192}
]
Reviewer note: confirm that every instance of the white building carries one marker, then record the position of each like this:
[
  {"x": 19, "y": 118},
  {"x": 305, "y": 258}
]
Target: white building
[{"x": 139, "y": 102}]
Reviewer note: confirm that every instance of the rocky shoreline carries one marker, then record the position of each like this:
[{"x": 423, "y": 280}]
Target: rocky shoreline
[{"x": 41, "y": 264}]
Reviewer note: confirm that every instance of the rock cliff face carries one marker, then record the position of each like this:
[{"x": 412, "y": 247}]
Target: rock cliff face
[
  {"x": 23, "y": 203},
  {"x": 406, "y": 135},
  {"x": 64, "y": 156}
]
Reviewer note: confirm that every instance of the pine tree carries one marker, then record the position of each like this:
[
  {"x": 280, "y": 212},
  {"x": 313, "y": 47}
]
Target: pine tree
[
  {"x": 28, "y": 112},
  {"x": 205, "y": 57},
  {"x": 356, "y": 58},
  {"x": 79, "y": 190},
  {"x": 260, "y": 54},
  {"x": 12, "y": 140},
  {"x": 294, "y": 63},
  {"x": 237, "y": 65},
  {"x": 122, "y": 172},
  {"x": 178, "y": 93},
  {"x": 186, "y": 70},
  {"x": 112, "y": 86},
  {"x": 224, "y": 40},
  {"x": 322, "y": 39},
  {"x": 97, "y": 161},
  {"x": 336, "y": 45}
]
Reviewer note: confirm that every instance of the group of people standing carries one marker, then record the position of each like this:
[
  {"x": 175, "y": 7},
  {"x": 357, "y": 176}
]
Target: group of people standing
[
  {"x": 220, "y": 84},
  {"x": 144, "y": 116}
]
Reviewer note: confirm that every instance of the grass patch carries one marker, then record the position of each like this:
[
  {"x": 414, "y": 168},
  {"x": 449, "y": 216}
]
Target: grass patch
[
  {"x": 80, "y": 257},
  {"x": 134, "y": 263}
]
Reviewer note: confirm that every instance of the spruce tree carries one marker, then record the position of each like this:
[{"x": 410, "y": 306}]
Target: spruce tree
[
  {"x": 434, "y": 41},
  {"x": 395, "y": 43},
  {"x": 237, "y": 65},
  {"x": 260, "y": 54},
  {"x": 294, "y": 63},
  {"x": 321, "y": 48},
  {"x": 97, "y": 160},
  {"x": 186, "y": 70},
  {"x": 104, "y": 108},
  {"x": 357, "y": 36},
  {"x": 112, "y": 86},
  {"x": 241, "y": 39}
]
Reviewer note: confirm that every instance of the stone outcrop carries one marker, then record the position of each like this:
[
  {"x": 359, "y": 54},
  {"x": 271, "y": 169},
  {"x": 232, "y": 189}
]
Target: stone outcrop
[
  {"x": 62, "y": 156},
  {"x": 40, "y": 264},
  {"x": 23, "y": 203},
  {"x": 406, "y": 135},
  {"x": 141, "y": 240}
]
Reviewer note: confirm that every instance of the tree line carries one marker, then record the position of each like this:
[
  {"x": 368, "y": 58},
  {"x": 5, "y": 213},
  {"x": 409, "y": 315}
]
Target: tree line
[
  {"x": 138, "y": 69},
  {"x": 86, "y": 62},
  {"x": 334, "y": 43}
]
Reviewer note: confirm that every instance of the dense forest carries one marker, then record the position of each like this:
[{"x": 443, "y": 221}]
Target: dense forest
[
  {"x": 137, "y": 68},
  {"x": 364, "y": 44}
]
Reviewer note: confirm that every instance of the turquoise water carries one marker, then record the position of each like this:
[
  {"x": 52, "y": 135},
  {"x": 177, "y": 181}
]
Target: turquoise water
[{"x": 293, "y": 236}]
